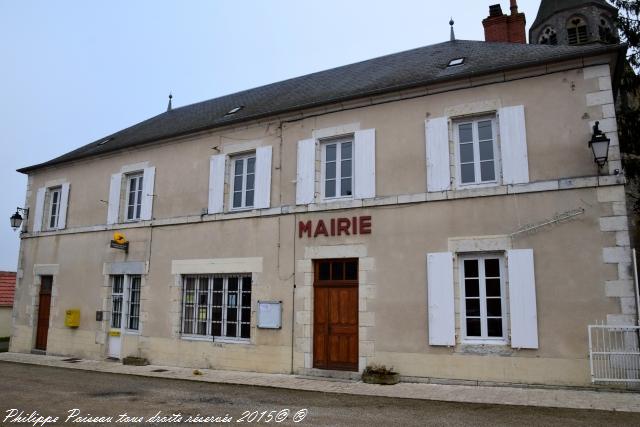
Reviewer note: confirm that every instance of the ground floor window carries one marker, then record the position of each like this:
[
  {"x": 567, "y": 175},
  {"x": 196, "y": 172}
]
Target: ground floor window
[
  {"x": 217, "y": 306},
  {"x": 125, "y": 301},
  {"x": 483, "y": 298}
]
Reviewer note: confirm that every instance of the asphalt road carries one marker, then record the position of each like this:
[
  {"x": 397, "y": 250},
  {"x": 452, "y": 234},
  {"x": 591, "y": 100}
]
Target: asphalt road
[{"x": 52, "y": 392}]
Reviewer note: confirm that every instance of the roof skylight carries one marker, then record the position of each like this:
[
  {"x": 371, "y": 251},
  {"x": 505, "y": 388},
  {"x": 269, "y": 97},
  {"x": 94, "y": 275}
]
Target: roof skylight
[
  {"x": 234, "y": 110},
  {"x": 454, "y": 62}
]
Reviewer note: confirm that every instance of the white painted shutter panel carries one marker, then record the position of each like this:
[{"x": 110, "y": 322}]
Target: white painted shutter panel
[
  {"x": 64, "y": 204},
  {"x": 113, "y": 210},
  {"x": 306, "y": 172},
  {"x": 216, "y": 183},
  {"x": 438, "y": 167},
  {"x": 442, "y": 322},
  {"x": 513, "y": 145},
  {"x": 365, "y": 164},
  {"x": 522, "y": 299},
  {"x": 37, "y": 217},
  {"x": 263, "y": 178},
  {"x": 148, "y": 184}
]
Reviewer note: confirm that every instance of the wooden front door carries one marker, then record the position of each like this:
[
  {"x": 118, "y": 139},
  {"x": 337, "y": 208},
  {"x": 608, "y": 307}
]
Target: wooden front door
[
  {"x": 44, "y": 308},
  {"x": 335, "y": 315}
]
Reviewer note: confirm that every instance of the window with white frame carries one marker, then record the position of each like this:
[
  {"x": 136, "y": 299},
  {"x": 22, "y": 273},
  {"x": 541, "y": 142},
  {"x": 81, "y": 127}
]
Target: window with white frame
[
  {"x": 217, "y": 307},
  {"x": 134, "y": 197},
  {"x": 125, "y": 301},
  {"x": 53, "y": 216},
  {"x": 337, "y": 168},
  {"x": 482, "y": 308},
  {"x": 243, "y": 174},
  {"x": 476, "y": 151}
]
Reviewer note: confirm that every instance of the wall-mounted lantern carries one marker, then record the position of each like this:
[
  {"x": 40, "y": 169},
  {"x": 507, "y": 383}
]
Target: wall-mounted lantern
[
  {"x": 16, "y": 218},
  {"x": 599, "y": 145}
]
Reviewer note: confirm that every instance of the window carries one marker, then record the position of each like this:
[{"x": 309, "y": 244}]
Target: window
[
  {"x": 54, "y": 207},
  {"x": 217, "y": 307},
  {"x": 125, "y": 301},
  {"x": 454, "y": 62},
  {"x": 476, "y": 151},
  {"x": 482, "y": 291},
  {"x": 133, "y": 312},
  {"x": 117, "y": 297},
  {"x": 549, "y": 36},
  {"x": 134, "y": 196},
  {"x": 577, "y": 31},
  {"x": 243, "y": 181},
  {"x": 337, "y": 168},
  {"x": 605, "y": 33}
]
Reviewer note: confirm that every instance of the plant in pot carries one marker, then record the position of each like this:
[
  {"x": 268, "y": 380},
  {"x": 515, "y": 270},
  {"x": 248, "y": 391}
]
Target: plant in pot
[{"x": 380, "y": 374}]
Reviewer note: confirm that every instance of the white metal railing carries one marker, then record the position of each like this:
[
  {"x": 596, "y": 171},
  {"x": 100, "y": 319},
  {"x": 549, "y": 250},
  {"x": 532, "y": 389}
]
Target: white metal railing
[{"x": 614, "y": 354}]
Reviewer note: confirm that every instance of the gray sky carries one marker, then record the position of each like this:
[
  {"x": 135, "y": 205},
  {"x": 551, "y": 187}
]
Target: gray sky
[{"x": 75, "y": 70}]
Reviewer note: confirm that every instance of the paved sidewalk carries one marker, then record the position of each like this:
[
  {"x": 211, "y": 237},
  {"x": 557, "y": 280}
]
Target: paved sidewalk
[{"x": 574, "y": 399}]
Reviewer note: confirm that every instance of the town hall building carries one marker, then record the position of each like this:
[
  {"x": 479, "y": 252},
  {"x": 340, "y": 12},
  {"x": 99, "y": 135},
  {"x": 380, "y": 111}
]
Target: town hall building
[{"x": 443, "y": 211}]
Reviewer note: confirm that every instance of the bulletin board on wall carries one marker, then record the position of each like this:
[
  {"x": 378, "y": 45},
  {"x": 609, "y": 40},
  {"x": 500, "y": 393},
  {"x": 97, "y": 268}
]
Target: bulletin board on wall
[{"x": 269, "y": 314}]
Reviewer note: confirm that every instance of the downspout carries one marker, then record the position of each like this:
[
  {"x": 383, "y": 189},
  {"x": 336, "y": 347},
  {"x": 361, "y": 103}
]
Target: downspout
[{"x": 635, "y": 282}]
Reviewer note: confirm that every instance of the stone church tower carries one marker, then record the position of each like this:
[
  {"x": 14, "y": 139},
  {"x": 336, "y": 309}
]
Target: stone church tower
[{"x": 574, "y": 22}]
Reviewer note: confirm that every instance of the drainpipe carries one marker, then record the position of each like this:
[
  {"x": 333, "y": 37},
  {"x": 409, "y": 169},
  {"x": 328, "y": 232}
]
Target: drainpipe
[{"x": 635, "y": 282}]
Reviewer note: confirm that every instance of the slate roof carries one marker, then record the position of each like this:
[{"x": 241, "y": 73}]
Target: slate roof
[
  {"x": 551, "y": 7},
  {"x": 412, "y": 68},
  {"x": 7, "y": 288}
]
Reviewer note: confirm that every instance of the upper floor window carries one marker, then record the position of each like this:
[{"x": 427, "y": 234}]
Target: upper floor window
[
  {"x": 577, "y": 31},
  {"x": 337, "y": 168},
  {"x": 134, "y": 196},
  {"x": 54, "y": 207},
  {"x": 243, "y": 170},
  {"x": 476, "y": 151},
  {"x": 483, "y": 305},
  {"x": 548, "y": 36}
]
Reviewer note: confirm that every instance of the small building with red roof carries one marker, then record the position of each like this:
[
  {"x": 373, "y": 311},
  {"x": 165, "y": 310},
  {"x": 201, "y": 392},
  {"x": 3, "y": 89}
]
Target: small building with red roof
[{"x": 7, "y": 292}]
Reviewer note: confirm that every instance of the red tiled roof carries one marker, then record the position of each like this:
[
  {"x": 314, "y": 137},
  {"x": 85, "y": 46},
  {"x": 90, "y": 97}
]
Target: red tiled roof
[{"x": 7, "y": 288}]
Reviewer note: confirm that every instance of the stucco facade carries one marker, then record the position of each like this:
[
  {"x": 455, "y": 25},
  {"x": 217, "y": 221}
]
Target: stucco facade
[{"x": 582, "y": 262}]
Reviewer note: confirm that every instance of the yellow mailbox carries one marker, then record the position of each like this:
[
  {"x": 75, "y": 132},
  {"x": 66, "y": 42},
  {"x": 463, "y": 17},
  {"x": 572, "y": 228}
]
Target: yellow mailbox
[{"x": 72, "y": 318}]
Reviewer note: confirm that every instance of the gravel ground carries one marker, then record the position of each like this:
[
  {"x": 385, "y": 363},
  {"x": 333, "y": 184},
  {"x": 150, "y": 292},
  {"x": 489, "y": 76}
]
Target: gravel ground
[{"x": 54, "y": 391}]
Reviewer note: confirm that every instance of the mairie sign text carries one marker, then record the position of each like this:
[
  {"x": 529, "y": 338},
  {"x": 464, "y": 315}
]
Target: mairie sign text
[{"x": 335, "y": 227}]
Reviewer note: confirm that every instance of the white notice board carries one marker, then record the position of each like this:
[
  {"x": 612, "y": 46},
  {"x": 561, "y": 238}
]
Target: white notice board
[{"x": 269, "y": 314}]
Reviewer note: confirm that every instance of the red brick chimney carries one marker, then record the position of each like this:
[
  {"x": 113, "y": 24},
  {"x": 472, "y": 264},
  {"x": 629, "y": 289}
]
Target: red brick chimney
[{"x": 499, "y": 27}]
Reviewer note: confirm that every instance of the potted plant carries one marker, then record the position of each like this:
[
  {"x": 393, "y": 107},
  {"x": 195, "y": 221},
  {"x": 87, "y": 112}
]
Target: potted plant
[{"x": 380, "y": 374}]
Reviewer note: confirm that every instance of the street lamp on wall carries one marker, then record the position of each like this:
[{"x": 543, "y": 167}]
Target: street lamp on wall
[
  {"x": 599, "y": 145},
  {"x": 16, "y": 218}
]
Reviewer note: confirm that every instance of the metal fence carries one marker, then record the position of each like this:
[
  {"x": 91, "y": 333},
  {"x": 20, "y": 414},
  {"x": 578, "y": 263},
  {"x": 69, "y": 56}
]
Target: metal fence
[{"x": 614, "y": 354}]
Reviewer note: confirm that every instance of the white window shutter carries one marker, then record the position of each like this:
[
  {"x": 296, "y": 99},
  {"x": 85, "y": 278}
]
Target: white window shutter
[
  {"x": 148, "y": 184},
  {"x": 365, "y": 164},
  {"x": 306, "y": 172},
  {"x": 522, "y": 299},
  {"x": 37, "y": 217},
  {"x": 438, "y": 163},
  {"x": 64, "y": 205},
  {"x": 513, "y": 145},
  {"x": 113, "y": 211},
  {"x": 442, "y": 322},
  {"x": 216, "y": 183},
  {"x": 263, "y": 178}
]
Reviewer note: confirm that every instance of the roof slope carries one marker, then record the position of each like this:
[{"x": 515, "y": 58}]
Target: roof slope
[
  {"x": 402, "y": 70},
  {"x": 551, "y": 7},
  {"x": 7, "y": 288}
]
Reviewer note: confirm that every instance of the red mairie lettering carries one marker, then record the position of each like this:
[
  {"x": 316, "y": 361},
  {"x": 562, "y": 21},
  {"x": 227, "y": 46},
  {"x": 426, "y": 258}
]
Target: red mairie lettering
[{"x": 335, "y": 227}]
